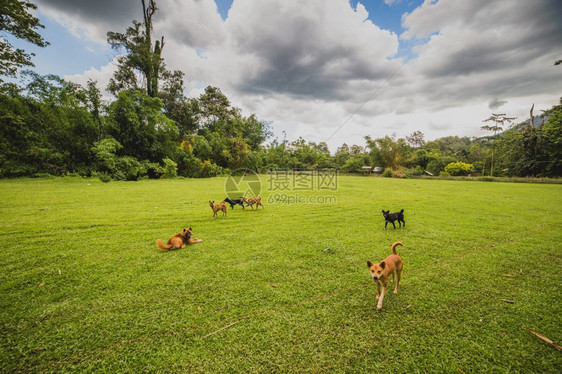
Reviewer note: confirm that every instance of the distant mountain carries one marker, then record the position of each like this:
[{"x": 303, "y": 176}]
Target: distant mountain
[{"x": 537, "y": 122}]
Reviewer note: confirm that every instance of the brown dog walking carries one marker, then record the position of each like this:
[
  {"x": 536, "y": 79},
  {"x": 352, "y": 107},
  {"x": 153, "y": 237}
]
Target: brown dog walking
[
  {"x": 382, "y": 271},
  {"x": 253, "y": 200}
]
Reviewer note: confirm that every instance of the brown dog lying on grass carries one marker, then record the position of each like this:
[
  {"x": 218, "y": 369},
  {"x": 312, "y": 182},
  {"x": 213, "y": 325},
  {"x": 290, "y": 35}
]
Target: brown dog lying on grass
[
  {"x": 253, "y": 200},
  {"x": 178, "y": 241},
  {"x": 382, "y": 271},
  {"x": 218, "y": 207}
]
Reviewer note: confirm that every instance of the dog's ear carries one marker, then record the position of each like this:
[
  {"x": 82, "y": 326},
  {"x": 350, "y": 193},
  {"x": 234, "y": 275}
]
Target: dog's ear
[
  {"x": 383, "y": 211},
  {"x": 369, "y": 264},
  {"x": 383, "y": 264},
  {"x": 190, "y": 229}
]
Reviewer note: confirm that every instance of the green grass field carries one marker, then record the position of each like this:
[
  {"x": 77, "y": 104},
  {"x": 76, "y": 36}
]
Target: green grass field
[{"x": 84, "y": 289}]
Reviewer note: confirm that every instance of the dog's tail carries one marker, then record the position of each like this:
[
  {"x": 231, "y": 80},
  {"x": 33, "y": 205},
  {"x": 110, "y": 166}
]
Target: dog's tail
[
  {"x": 162, "y": 246},
  {"x": 394, "y": 247}
]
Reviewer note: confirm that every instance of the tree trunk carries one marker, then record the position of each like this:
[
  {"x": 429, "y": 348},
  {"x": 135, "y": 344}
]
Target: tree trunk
[
  {"x": 531, "y": 124},
  {"x": 153, "y": 62}
]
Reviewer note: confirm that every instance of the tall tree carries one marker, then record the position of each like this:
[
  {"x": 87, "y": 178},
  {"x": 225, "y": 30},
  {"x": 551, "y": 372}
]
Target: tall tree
[
  {"x": 552, "y": 141},
  {"x": 387, "y": 152},
  {"x": 136, "y": 121},
  {"x": 142, "y": 56},
  {"x": 499, "y": 120},
  {"x": 215, "y": 108},
  {"x": 416, "y": 140},
  {"x": 184, "y": 111},
  {"x": 16, "y": 20}
]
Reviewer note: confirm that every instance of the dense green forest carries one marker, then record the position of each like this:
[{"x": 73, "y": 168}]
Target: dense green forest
[{"x": 151, "y": 129}]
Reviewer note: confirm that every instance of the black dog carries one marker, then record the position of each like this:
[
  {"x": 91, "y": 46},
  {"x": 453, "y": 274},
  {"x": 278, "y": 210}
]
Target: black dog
[
  {"x": 391, "y": 217},
  {"x": 234, "y": 202}
]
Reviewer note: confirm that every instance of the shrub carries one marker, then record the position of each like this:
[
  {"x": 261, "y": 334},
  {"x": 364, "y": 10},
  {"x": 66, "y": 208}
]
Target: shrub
[
  {"x": 387, "y": 173},
  {"x": 170, "y": 168},
  {"x": 153, "y": 169},
  {"x": 190, "y": 166},
  {"x": 105, "y": 153},
  {"x": 438, "y": 165},
  {"x": 102, "y": 176},
  {"x": 418, "y": 170},
  {"x": 400, "y": 173},
  {"x": 128, "y": 168},
  {"x": 353, "y": 165},
  {"x": 458, "y": 168},
  {"x": 210, "y": 169}
]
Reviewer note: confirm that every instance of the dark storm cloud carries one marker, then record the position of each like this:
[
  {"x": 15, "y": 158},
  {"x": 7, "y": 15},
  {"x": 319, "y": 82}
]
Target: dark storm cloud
[
  {"x": 316, "y": 51},
  {"x": 324, "y": 74},
  {"x": 106, "y": 11},
  {"x": 98, "y": 16},
  {"x": 496, "y": 103}
]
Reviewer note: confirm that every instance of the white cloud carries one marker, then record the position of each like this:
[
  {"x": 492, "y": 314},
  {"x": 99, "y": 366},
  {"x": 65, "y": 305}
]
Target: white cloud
[
  {"x": 101, "y": 76},
  {"x": 196, "y": 24}
]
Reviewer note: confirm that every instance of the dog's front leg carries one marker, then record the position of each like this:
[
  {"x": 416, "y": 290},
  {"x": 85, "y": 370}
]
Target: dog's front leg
[{"x": 379, "y": 305}]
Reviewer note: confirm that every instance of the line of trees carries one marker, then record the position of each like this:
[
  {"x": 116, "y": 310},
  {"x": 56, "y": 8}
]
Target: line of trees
[{"x": 150, "y": 129}]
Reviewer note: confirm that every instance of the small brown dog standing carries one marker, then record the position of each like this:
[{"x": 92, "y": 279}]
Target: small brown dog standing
[
  {"x": 253, "y": 200},
  {"x": 218, "y": 207},
  {"x": 382, "y": 271},
  {"x": 178, "y": 241}
]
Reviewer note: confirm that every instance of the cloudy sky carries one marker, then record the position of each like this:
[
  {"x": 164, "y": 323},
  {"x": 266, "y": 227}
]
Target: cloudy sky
[{"x": 334, "y": 70}]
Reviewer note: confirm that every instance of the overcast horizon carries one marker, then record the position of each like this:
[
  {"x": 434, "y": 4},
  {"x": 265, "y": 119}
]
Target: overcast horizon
[{"x": 334, "y": 70}]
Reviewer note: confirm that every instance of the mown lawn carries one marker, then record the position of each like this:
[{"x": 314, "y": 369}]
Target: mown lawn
[{"x": 83, "y": 287}]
